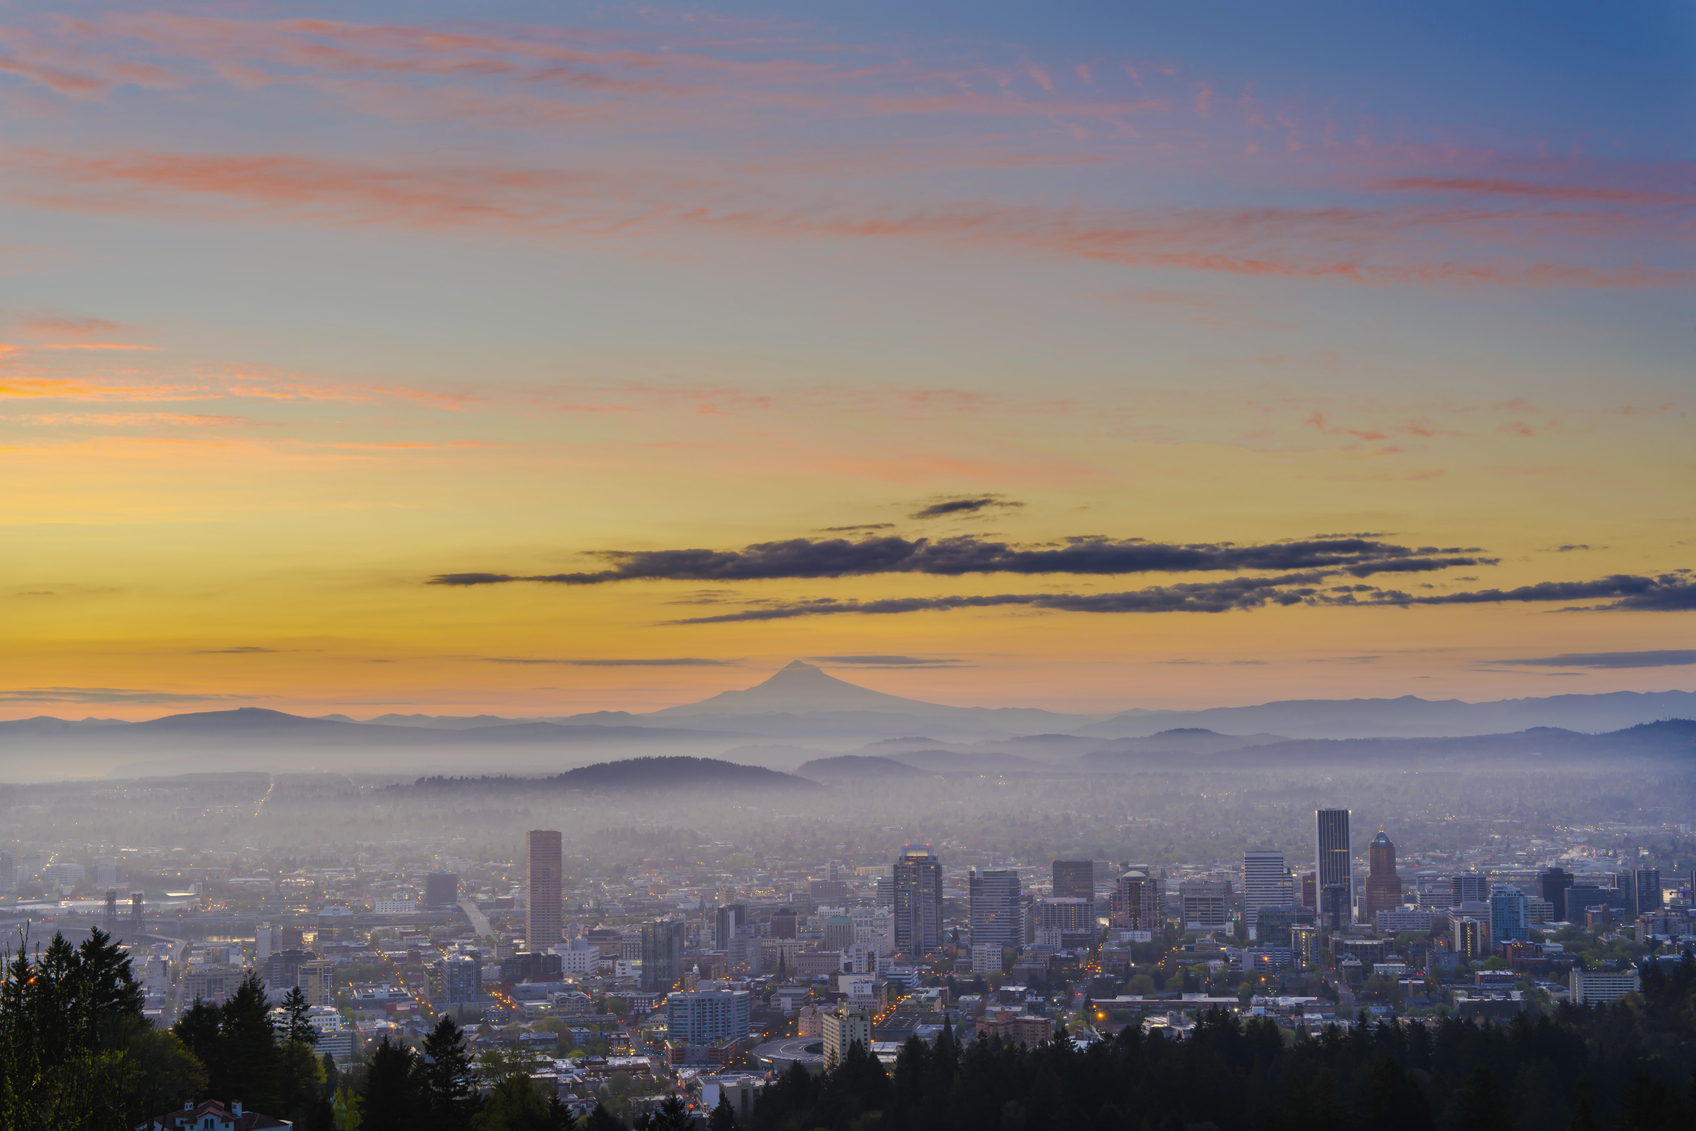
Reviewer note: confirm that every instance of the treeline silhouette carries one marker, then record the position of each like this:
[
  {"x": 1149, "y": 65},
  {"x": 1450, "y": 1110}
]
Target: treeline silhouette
[{"x": 1627, "y": 1065}]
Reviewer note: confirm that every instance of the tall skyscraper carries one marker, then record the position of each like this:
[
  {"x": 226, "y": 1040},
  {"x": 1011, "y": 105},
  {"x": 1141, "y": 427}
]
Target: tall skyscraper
[
  {"x": 725, "y": 921},
  {"x": 997, "y": 909},
  {"x": 662, "y": 954},
  {"x": 544, "y": 918},
  {"x": 1383, "y": 884},
  {"x": 1469, "y": 888},
  {"x": 918, "y": 901},
  {"x": 441, "y": 889},
  {"x": 1074, "y": 879},
  {"x": 1509, "y": 919},
  {"x": 1266, "y": 883},
  {"x": 1554, "y": 883},
  {"x": 1645, "y": 890},
  {"x": 1137, "y": 901},
  {"x": 1334, "y": 864}
]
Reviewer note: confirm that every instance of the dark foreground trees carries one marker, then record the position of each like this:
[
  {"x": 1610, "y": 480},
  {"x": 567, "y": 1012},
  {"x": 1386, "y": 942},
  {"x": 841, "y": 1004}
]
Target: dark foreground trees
[{"x": 1627, "y": 1066}]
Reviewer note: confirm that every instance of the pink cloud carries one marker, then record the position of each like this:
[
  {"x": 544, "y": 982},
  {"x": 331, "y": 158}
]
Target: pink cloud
[{"x": 1363, "y": 246}]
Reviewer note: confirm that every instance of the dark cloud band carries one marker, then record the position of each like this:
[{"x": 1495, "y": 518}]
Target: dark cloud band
[
  {"x": 1668, "y": 592},
  {"x": 810, "y": 558}
]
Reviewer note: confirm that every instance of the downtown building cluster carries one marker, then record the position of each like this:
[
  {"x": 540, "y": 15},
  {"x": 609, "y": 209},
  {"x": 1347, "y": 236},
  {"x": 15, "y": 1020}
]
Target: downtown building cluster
[{"x": 651, "y": 974}]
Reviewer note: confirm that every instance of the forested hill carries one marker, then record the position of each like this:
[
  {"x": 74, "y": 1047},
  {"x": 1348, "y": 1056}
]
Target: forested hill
[{"x": 631, "y": 775}]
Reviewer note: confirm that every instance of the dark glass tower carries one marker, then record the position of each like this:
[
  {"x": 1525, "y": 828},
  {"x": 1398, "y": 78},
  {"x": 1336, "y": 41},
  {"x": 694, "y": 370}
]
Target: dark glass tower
[{"x": 1334, "y": 863}]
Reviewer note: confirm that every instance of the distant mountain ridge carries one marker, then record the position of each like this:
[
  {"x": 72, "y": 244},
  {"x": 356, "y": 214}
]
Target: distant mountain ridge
[
  {"x": 1411, "y": 717},
  {"x": 647, "y": 775}
]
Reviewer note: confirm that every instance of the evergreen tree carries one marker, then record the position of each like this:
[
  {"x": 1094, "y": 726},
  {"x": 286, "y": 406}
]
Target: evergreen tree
[
  {"x": 450, "y": 1086},
  {"x": 1479, "y": 1105},
  {"x": 298, "y": 1028},
  {"x": 393, "y": 1099},
  {"x": 514, "y": 1105},
  {"x": 600, "y": 1119},
  {"x": 1393, "y": 1101},
  {"x": 249, "y": 1066},
  {"x": 723, "y": 1116},
  {"x": 673, "y": 1115}
]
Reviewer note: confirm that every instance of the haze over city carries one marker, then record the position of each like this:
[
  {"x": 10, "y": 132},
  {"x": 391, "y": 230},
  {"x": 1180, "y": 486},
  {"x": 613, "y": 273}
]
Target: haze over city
[{"x": 822, "y": 567}]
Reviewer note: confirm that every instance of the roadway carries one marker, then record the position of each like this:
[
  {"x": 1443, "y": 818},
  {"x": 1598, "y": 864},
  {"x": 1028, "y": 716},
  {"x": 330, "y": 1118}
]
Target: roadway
[{"x": 479, "y": 921}]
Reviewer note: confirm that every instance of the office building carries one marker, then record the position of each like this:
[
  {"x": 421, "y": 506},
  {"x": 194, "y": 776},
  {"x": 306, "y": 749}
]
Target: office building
[
  {"x": 1305, "y": 947},
  {"x": 874, "y": 928},
  {"x": 662, "y": 954},
  {"x": 577, "y": 957},
  {"x": 1205, "y": 904},
  {"x": 1510, "y": 917},
  {"x": 282, "y": 971},
  {"x": 1470, "y": 942},
  {"x": 1398, "y": 919},
  {"x": 1553, "y": 885},
  {"x": 1137, "y": 901},
  {"x": 785, "y": 924},
  {"x": 744, "y": 955},
  {"x": 918, "y": 901},
  {"x": 1592, "y": 987},
  {"x": 1065, "y": 924},
  {"x": 544, "y": 919},
  {"x": 1074, "y": 879},
  {"x": 1383, "y": 884},
  {"x": 1469, "y": 888},
  {"x": 1334, "y": 863},
  {"x": 1334, "y": 907},
  {"x": 839, "y": 933},
  {"x": 315, "y": 982},
  {"x": 1580, "y": 898},
  {"x": 1310, "y": 890},
  {"x": 441, "y": 889},
  {"x": 1274, "y": 924},
  {"x": 701, "y": 1017},
  {"x": 997, "y": 907},
  {"x": 843, "y": 1026},
  {"x": 1645, "y": 890},
  {"x": 454, "y": 980},
  {"x": 1266, "y": 883},
  {"x": 725, "y": 921}
]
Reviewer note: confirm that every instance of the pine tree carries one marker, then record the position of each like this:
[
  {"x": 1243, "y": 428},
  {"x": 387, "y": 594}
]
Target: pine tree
[
  {"x": 1479, "y": 1105},
  {"x": 251, "y": 1057},
  {"x": 298, "y": 1028},
  {"x": 723, "y": 1117},
  {"x": 393, "y": 1096},
  {"x": 600, "y": 1119},
  {"x": 450, "y": 1090}
]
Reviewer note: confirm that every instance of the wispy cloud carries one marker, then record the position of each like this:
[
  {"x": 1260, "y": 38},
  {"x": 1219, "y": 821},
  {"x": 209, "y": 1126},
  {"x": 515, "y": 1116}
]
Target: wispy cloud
[
  {"x": 1664, "y": 658},
  {"x": 651, "y": 662},
  {"x": 963, "y": 505},
  {"x": 879, "y": 661},
  {"x": 1332, "y": 244},
  {"x": 108, "y": 695}
]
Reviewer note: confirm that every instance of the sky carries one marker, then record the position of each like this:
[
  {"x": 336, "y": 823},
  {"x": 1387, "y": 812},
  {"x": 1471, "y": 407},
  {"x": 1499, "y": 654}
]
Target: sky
[{"x": 542, "y": 358}]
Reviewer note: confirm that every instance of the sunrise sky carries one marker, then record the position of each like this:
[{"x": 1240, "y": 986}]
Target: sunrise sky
[{"x": 376, "y": 356}]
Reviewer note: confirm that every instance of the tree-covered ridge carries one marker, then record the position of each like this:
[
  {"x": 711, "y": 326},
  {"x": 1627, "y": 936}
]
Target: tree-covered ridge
[
  {"x": 647, "y": 774},
  {"x": 1627, "y": 1066}
]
